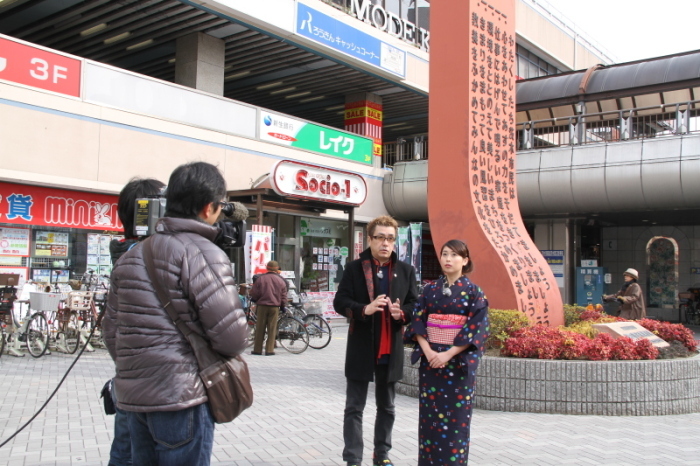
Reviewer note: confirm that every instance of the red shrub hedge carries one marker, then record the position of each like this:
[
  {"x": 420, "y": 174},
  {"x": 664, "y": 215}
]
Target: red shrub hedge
[{"x": 670, "y": 332}]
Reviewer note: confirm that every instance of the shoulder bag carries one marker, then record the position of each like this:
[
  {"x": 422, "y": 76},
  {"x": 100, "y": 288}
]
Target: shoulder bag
[{"x": 227, "y": 381}]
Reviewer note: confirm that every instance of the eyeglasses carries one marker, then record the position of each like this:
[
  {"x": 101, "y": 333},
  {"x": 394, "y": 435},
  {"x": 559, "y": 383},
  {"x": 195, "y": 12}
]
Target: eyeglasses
[{"x": 382, "y": 238}]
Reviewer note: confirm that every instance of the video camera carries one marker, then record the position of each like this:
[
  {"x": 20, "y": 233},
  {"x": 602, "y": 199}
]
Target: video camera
[{"x": 232, "y": 230}]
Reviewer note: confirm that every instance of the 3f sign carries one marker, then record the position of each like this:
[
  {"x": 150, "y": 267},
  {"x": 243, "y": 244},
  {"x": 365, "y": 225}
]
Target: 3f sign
[{"x": 42, "y": 71}]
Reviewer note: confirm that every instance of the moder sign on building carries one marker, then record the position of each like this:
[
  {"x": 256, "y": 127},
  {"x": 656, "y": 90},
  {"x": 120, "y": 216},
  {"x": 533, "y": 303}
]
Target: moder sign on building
[{"x": 388, "y": 22}]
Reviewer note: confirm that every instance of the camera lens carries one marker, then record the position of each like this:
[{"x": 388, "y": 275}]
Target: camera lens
[{"x": 227, "y": 208}]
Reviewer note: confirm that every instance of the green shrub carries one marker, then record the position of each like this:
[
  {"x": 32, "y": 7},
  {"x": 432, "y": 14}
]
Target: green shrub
[
  {"x": 502, "y": 324},
  {"x": 572, "y": 314},
  {"x": 584, "y": 327}
]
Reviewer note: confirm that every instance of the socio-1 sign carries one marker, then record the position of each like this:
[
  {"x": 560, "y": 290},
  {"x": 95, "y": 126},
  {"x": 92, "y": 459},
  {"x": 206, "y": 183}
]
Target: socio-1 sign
[
  {"x": 35, "y": 67},
  {"x": 306, "y": 181}
]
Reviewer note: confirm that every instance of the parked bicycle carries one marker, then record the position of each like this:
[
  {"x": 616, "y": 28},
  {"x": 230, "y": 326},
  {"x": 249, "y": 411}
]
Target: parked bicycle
[
  {"x": 690, "y": 306},
  {"x": 32, "y": 330},
  {"x": 320, "y": 331},
  {"x": 91, "y": 311}
]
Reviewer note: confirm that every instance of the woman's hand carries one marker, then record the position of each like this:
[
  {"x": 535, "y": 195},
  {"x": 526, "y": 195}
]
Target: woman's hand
[{"x": 438, "y": 360}]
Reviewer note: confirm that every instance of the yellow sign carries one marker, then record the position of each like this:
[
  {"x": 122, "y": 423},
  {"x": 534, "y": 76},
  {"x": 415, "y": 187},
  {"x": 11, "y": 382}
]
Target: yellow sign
[{"x": 364, "y": 112}]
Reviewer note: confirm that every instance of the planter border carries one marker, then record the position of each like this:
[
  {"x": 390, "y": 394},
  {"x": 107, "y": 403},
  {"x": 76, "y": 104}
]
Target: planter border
[{"x": 608, "y": 388}]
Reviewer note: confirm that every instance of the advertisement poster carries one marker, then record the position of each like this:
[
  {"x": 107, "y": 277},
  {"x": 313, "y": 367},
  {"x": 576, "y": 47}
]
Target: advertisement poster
[
  {"x": 403, "y": 245},
  {"x": 14, "y": 241},
  {"x": 417, "y": 248},
  {"x": 258, "y": 250},
  {"x": 51, "y": 244},
  {"x": 555, "y": 259}
]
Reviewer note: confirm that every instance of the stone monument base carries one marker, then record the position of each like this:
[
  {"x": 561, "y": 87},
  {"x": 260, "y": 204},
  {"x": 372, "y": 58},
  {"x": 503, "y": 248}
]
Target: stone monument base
[{"x": 608, "y": 388}]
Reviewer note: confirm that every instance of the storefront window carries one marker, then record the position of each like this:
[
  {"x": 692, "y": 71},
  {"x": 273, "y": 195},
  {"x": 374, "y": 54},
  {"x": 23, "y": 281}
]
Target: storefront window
[
  {"x": 54, "y": 255},
  {"x": 324, "y": 253}
]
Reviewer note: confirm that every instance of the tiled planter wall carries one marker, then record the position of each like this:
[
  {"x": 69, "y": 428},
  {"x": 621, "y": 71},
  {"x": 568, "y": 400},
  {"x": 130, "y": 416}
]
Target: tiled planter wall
[{"x": 613, "y": 388}]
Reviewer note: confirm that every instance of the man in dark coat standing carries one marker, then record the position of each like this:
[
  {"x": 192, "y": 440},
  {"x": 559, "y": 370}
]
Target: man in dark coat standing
[{"x": 376, "y": 293}]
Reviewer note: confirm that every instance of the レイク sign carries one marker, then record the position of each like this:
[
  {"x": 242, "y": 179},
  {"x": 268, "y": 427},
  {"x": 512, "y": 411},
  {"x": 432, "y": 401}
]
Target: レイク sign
[
  {"x": 36, "y": 67},
  {"x": 307, "y": 181}
]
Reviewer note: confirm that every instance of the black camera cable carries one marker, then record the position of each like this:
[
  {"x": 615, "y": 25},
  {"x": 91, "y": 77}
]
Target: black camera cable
[{"x": 57, "y": 387}]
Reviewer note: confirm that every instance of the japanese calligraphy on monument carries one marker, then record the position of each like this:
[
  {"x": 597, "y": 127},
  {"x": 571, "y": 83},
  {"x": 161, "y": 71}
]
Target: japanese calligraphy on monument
[{"x": 472, "y": 191}]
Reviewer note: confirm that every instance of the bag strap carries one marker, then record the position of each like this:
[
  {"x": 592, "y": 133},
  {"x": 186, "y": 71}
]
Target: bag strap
[{"x": 202, "y": 350}]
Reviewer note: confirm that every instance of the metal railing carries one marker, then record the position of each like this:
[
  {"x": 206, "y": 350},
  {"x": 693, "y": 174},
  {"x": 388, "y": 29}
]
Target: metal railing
[
  {"x": 591, "y": 128},
  {"x": 620, "y": 125},
  {"x": 405, "y": 149}
]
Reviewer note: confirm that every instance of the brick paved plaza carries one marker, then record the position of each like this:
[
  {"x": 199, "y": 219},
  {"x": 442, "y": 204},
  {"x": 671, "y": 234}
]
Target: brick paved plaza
[{"x": 297, "y": 420}]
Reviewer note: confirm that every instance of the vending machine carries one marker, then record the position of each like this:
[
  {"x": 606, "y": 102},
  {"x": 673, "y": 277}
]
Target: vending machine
[{"x": 590, "y": 285}]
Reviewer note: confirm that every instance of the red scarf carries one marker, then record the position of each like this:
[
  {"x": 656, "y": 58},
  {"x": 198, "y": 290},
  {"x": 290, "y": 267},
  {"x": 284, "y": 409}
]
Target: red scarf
[{"x": 385, "y": 335}]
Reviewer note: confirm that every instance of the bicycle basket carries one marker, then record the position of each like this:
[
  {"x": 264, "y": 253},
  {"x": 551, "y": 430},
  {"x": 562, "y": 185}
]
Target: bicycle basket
[
  {"x": 686, "y": 295},
  {"x": 313, "y": 306},
  {"x": 79, "y": 300},
  {"x": 39, "y": 301}
]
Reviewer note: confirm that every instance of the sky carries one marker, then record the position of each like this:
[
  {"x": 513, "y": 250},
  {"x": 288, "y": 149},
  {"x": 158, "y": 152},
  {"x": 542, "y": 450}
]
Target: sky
[{"x": 635, "y": 29}]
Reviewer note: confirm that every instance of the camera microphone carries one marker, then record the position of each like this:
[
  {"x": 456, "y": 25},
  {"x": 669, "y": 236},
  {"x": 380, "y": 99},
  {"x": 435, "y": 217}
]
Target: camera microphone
[{"x": 235, "y": 211}]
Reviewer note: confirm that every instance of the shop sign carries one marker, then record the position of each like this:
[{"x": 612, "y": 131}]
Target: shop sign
[
  {"x": 306, "y": 181},
  {"x": 339, "y": 36},
  {"x": 555, "y": 259},
  {"x": 388, "y": 22},
  {"x": 35, "y": 67},
  {"x": 35, "y": 205},
  {"x": 303, "y": 135}
]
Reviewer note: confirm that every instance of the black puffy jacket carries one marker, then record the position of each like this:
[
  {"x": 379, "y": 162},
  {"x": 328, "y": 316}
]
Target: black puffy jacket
[{"x": 156, "y": 368}]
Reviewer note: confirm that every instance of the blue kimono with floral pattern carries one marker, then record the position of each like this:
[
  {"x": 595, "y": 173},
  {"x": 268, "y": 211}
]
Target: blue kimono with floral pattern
[{"x": 446, "y": 394}]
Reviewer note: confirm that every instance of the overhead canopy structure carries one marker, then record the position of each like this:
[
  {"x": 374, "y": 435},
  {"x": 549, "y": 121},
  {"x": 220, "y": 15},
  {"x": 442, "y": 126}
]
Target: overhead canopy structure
[
  {"x": 669, "y": 80},
  {"x": 141, "y": 35}
]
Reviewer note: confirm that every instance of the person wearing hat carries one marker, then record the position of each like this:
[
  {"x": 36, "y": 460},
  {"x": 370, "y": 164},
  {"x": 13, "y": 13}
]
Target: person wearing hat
[
  {"x": 630, "y": 297},
  {"x": 269, "y": 293}
]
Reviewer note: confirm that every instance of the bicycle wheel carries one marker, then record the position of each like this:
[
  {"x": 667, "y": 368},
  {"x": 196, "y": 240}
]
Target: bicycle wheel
[
  {"x": 71, "y": 333},
  {"x": 37, "y": 335},
  {"x": 319, "y": 329},
  {"x": 292, "y": 335},
  {"x": 252, "y": 319}
]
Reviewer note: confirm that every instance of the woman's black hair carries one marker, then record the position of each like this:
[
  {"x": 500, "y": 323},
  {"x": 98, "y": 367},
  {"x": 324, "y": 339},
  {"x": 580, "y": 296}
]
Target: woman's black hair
[
  {"x": 136, "y": 188},
  {"x": 191, "y": 187},
  {"x": 460, "y": 248}
]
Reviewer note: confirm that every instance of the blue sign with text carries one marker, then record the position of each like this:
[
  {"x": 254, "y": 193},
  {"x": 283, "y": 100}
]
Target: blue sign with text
[{"x": 339, "y": 36}]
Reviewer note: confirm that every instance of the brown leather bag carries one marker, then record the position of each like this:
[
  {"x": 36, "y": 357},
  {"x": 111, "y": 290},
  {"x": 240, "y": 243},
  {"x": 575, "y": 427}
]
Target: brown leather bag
[{"x": 227, "y": 380}]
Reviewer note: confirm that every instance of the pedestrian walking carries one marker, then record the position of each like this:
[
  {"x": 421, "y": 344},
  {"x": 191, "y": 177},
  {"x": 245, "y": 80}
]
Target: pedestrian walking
[
  {"x": 449, "y": 328},
  {"x": 630, "y": 297},
  {"x": 377, "y": 294}
]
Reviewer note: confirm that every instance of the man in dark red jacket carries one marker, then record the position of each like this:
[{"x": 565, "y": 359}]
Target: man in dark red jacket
[
  {"x": 270, "y": 294},
  {"x": 376, "y": 293}
]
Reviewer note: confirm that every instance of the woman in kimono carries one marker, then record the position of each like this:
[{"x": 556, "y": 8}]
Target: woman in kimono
[{"x": 449, "y": 328}]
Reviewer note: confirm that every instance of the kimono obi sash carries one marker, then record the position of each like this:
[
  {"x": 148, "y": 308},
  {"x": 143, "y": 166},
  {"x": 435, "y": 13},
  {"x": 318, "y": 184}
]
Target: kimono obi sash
[{"x": 443, "y": 328}]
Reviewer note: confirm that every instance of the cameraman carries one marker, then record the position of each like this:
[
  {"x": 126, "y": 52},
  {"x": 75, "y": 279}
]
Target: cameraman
[
  {"x": 120, "y": 453},
  {"x": 157, "y": 380}
]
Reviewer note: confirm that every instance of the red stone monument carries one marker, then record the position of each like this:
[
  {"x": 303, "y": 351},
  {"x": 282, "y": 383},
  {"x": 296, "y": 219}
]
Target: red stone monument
[{"x": 472, "y": 192}]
